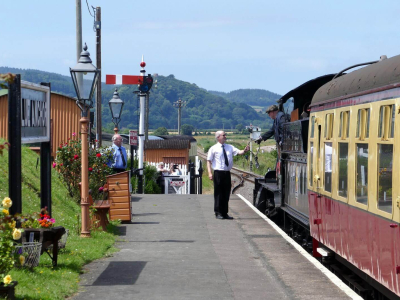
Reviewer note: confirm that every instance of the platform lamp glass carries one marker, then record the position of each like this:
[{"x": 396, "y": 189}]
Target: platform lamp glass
[
  {"x": 84, "y": 77},
  {"x": 116, "y": 105}
]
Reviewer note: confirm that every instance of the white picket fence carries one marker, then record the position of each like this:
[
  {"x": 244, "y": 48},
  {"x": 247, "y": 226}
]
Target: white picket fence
[
  {"x": 182, "y": 168},
  {"x": 175, "y": 184}
]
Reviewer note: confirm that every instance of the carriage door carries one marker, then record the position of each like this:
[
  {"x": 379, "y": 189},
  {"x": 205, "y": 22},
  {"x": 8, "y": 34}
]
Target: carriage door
[{"x": 314, "y": 181}]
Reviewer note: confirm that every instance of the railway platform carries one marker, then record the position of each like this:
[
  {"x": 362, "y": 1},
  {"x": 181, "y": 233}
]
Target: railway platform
[{"x": 175, "y": 248}]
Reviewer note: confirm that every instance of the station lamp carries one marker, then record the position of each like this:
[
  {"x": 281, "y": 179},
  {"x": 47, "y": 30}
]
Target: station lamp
[
  {"x": 84, "y": 77},
  {"x": 116, "y": 105}
]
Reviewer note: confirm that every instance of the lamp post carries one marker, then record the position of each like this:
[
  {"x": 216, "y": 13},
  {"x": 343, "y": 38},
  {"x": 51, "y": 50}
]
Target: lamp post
[
  {"x": 84, "y": 76},
  {"x": 116, "y": 105},
  {"x": 179, "y": 104}
]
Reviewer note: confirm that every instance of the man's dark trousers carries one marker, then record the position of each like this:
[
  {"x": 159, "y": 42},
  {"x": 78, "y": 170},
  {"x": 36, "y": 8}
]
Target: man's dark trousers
[
  {"x": 222, "y": 191},
  {"x": 117, "y": 170}
]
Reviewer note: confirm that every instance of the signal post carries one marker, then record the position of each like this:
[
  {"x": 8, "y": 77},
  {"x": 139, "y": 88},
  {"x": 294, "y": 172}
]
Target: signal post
[{"x": 145, "y": 83}]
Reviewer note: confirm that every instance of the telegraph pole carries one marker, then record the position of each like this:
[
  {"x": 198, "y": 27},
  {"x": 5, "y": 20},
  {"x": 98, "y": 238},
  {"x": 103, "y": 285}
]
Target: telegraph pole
[
  {"x": 79, "y": 37},
  {"x": 98, "y": 66},
  {"x": 78, "y": 29},
  {"x": 179, "y": 104}
]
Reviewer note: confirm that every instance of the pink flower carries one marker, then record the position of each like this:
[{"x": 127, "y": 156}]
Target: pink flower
[
  {"x": 54, "y": 165},
  {"x": 90, "y": 169},
  {"x": 52, "y": 220},
  {"x": 98, "y": 155},
  {"x": 101, "y": 189},
  {"x": 74, "y": 134},
  {"x": 76, "y": 156}
]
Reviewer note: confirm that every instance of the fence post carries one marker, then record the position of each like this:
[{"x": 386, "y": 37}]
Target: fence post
[
  {"x": 192, "y": 177},
  {"x": 200, "y": 187}
]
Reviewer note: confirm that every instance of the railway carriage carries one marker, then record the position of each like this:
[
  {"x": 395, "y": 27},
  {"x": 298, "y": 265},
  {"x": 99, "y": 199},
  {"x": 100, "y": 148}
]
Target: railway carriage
[{"x": 337, "y": 189}]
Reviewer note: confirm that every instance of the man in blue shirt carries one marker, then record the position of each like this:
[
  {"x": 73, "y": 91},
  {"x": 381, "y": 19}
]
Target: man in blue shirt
[{"x": 119, "y": 155}]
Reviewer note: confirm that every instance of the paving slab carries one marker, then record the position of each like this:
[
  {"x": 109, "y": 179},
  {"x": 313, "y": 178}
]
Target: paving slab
[{"x": 175, "y": 248}]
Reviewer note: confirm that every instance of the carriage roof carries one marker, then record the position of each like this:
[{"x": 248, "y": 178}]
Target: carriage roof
[{"x": 384, "y": 74}]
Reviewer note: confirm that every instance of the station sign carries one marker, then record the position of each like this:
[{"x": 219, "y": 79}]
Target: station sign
[
  {"x": 133, "y": 137},
  {"x": 178, "y": 183},
  {"x": 35, "y": 113}
]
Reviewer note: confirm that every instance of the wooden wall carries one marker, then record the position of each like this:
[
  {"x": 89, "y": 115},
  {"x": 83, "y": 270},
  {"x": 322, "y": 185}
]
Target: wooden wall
[
  {"x": 65, "y": 116},
  {"x": 179, "y": 156},
  {"x": 4, "y": 117}
]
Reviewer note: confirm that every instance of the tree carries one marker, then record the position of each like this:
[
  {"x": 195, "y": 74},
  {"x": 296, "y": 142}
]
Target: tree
[
  {"x": 239, "y": 127},
  {"x": 161, "y": 131},
  {"x": 187, "y": 129}
]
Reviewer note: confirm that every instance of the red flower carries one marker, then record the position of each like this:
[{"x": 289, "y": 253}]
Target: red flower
[
  {"x": 76, "y": 156},
  {"x": 90, "y": 169},
  {"x": 61, "y": 164},
  {"x": 98, "y": 155},
  {"x": 54, "y": 165}
]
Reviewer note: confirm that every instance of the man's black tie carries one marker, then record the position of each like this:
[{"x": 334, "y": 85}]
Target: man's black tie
[
  {"x": 122, "y": 156},
  {"x": 226, "y": 156}
]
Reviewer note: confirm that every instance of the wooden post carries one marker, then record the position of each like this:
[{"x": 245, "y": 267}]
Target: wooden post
[{"x": 14, "y": 138}]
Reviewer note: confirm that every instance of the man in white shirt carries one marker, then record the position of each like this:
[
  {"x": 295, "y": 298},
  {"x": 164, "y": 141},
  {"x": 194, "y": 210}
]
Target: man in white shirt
[{"x": 220, "y": 158}]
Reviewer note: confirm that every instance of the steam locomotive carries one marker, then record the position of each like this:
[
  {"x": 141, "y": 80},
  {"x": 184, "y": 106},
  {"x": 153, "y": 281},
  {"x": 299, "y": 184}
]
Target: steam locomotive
[{"x": 334, "y": 190}]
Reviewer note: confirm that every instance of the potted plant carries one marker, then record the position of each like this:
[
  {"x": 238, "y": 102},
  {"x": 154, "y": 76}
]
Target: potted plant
[{"x": 41, "y": 227}]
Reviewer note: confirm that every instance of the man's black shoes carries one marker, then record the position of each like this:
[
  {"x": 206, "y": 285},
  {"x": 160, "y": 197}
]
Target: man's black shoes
[
  {"x": 218, "y": 216},
  {"x": 228, "y": 217},
  {"x": 221, "y": 217}
]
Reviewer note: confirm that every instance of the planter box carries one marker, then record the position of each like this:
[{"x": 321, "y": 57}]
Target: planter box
[
  {"x": 48, "y": 237},
  {"x": 8, "y": 292}
]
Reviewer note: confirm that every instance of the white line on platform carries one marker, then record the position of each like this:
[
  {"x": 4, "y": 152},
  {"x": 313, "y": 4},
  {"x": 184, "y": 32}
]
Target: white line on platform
[{"x": 349, "y": 292}]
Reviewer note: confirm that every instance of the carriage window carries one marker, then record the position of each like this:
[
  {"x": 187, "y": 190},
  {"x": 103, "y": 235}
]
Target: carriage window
[
  {"x": 385, "y": 163},
  {"x": 343, "y": 161},
  {"x": 362, "y": 173},
  {"x": 386, "y": 122},
  {"x": 344, "y": 124},
  {"x": 363, "y": 123},
  {"x": 311, "y": 162},
  {"x": 328, "y": 167},
  {"x": 312, "y": 127},
  {"x": 328, "y": 126}
]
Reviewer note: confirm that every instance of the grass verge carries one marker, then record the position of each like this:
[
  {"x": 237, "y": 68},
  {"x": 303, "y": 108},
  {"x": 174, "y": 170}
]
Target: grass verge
[{"x": 45, "y": 281}]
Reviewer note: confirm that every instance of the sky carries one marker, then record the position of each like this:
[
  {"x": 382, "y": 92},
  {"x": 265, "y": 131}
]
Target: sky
[{"x": 217, "y": 44}]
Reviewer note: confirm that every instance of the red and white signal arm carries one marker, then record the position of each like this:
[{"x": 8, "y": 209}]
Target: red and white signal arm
[{"x": 133, "y": 137}]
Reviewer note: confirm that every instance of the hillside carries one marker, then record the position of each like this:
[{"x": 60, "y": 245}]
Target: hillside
[
  {"x": 252, "y": 97},
  {"x": 204, "y": 110}
]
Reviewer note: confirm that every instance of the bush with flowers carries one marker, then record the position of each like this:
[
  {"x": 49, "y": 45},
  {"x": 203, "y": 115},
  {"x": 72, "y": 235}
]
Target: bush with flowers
[
  {"x": 68, "y": 164},
  {"x": 8, "y": 234}
]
